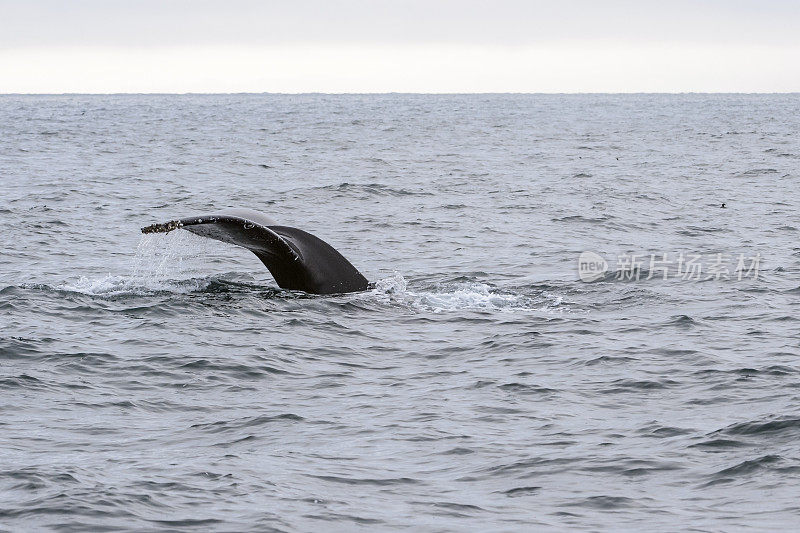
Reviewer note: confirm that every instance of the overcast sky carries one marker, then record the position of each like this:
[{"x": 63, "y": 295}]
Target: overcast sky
[{"x": 399, "y": 45}]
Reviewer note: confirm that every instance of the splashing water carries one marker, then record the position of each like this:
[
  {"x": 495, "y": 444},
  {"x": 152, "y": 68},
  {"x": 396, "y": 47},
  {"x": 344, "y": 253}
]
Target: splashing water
[
  {"x": 166, "y": 257},
  {"x": 162, "y": 264}
]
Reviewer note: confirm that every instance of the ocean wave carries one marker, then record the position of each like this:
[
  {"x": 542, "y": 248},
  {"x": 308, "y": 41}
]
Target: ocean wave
[
  {"x": 763, "y": 427},
  {"x": 370, "y": 189}
]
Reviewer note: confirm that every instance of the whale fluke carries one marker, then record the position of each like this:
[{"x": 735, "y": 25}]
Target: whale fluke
[{"x": 295, "y": 258}]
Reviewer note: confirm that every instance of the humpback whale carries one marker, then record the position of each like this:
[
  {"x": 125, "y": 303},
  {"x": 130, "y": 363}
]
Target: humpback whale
[{"x": 296, "y": 259}]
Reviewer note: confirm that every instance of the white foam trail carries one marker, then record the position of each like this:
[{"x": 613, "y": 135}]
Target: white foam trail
[{"x": 462, "y": 296}]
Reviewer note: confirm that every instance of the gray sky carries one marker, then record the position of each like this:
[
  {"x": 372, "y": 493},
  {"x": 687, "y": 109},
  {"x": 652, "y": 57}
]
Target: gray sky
[{"x": 399, "y": 45}]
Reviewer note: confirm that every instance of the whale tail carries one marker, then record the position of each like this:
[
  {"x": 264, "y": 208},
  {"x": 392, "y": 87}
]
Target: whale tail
[{"x": 296, "y": 259}]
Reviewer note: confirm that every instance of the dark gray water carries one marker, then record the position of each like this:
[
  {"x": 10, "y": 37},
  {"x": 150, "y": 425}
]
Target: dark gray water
[{"x": 164, "y": 381}]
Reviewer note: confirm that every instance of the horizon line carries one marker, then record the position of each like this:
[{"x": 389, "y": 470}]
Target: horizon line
[{"x": 386, "y": 93}]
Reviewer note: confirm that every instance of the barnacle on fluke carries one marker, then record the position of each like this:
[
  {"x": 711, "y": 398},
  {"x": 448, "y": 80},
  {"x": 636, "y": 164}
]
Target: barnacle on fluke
[{"x": 165, "y": 227}]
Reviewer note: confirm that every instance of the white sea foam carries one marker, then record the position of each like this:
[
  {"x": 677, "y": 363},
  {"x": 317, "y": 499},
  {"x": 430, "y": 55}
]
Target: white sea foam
[
  {"x": 111, "y": 285},
  {"x": 462, "y": 296}
]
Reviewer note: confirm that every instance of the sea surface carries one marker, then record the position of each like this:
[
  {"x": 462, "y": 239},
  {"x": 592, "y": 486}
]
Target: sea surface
[{"x": 165, "y": 382}]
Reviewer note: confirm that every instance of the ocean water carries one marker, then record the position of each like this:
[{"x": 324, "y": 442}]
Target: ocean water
[{"x": 153, "y": 382}]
